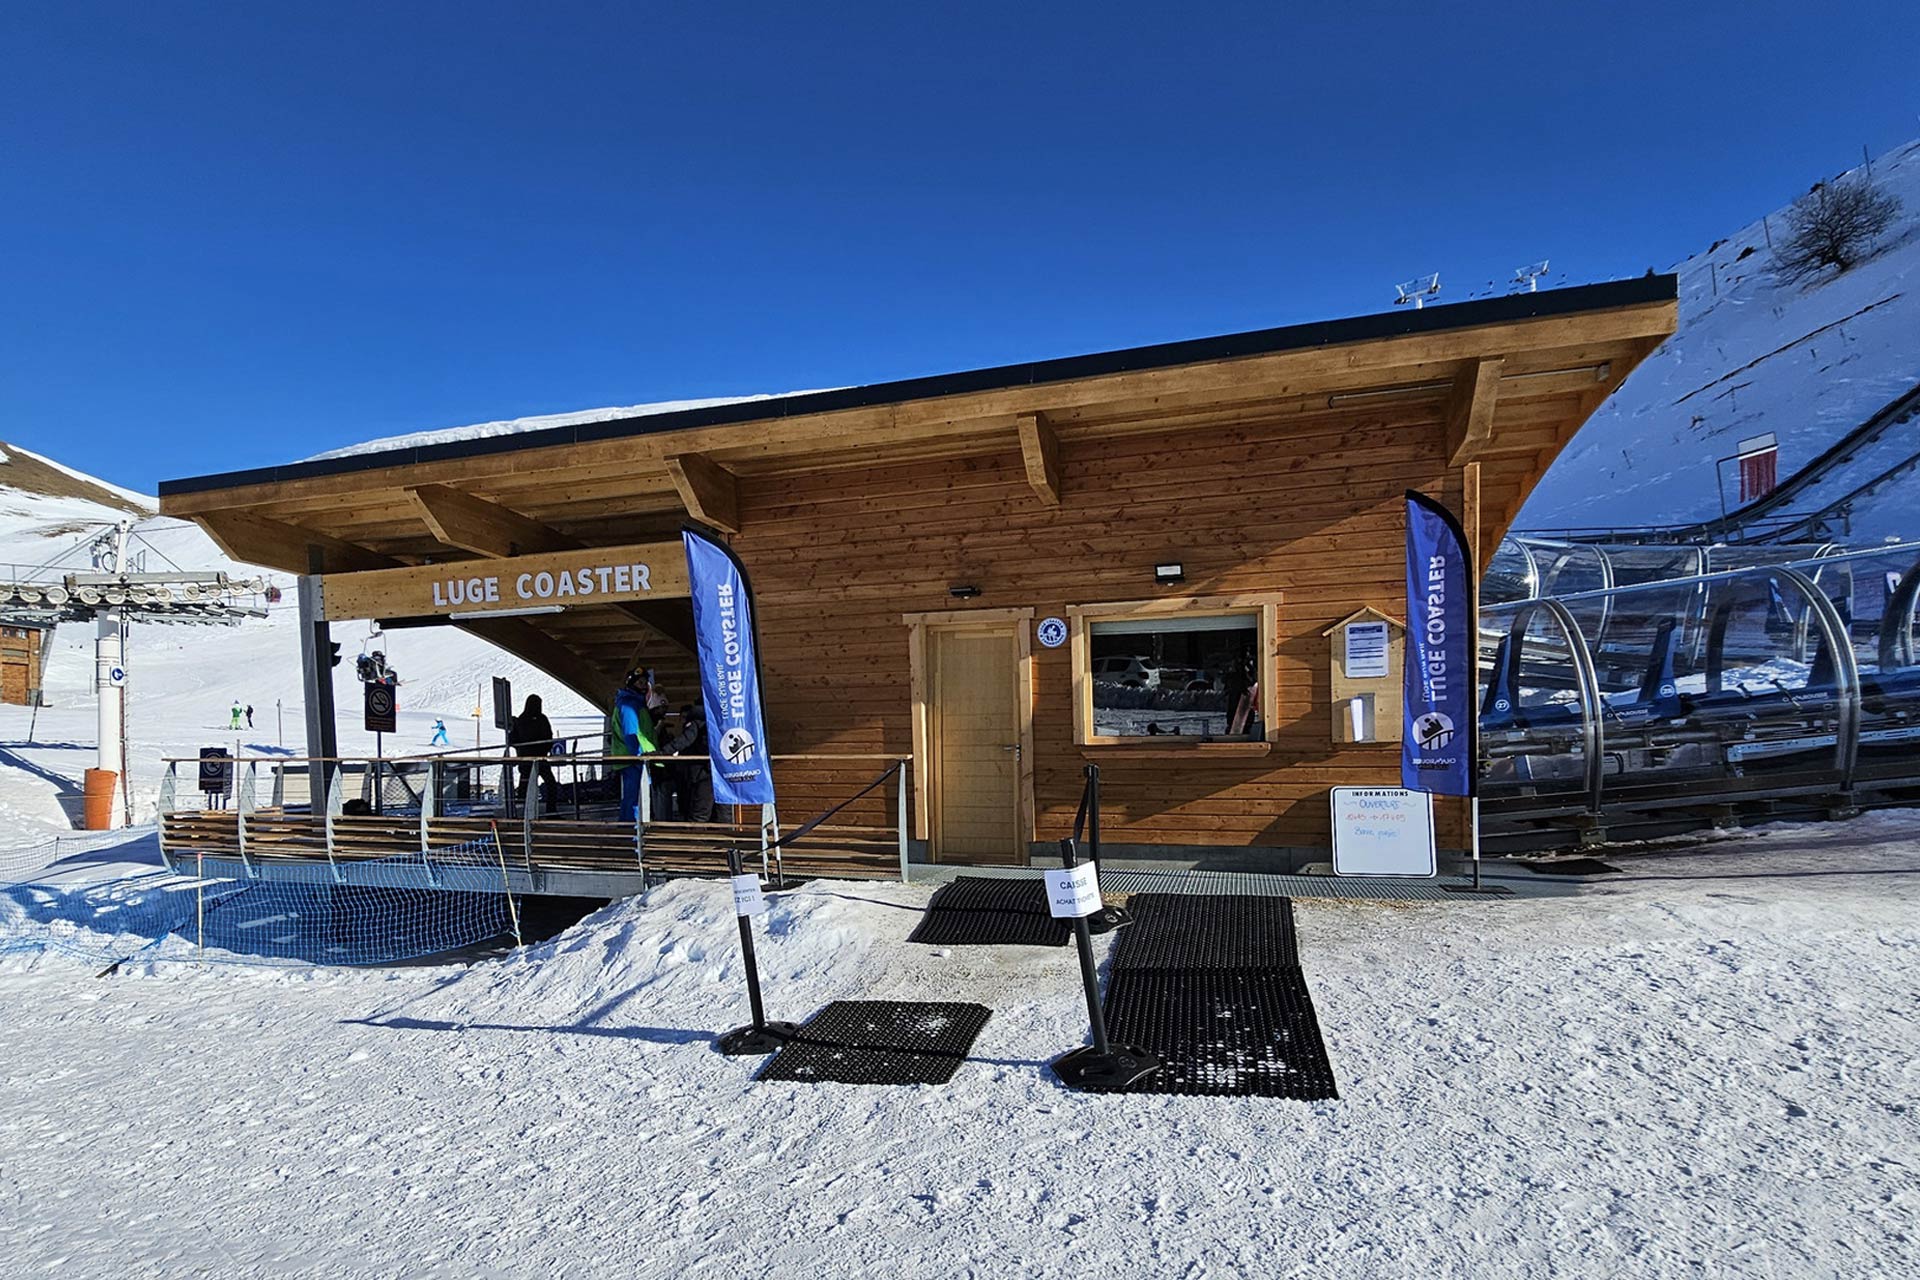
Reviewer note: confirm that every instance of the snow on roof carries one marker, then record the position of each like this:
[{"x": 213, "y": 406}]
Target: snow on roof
[{"x": 543, "y": 422}]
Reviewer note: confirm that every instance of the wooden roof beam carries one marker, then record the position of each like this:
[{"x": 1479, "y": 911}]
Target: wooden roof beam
[
  {"x": 485, "y": 528},
  {"x": 709, "y": 492},
  {"x": 538, "y": 648},
  {"x": 253, "y": 539},
  {"x": 1040, "y": 450},
  {"x": 1470, "y": 413},
  {"x": 488, "y": 529}
]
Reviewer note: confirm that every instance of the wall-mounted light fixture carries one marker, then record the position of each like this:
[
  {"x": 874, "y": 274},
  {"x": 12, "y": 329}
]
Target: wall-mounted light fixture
[
  {"x": 1168, "y": 574},
  {"x": 964, "y": 591}
]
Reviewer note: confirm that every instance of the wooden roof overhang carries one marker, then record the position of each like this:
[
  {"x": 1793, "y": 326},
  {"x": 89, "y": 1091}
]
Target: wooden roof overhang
[{"x": 1509, "y": 379}]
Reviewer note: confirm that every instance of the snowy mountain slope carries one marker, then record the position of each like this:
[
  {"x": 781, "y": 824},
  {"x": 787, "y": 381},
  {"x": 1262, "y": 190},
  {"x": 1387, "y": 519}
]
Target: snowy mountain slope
[
  {"x": 1808, "y": 362},
  {"x": 184, "y": 680},
  {"x": 24, "y": 472}
]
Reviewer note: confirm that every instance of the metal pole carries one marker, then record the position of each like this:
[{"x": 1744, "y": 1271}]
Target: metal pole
[
  {"x": 901, "y": 816},
  {"x": 1107, "y": 918},
  {"x": 1093, "y": 816},
  {"x": 1089, "y": 975},
  {"x": 1476, "y": 838},
  {"x": 761, "y": 1036},
  {"x": 1100, "y": 1065}
]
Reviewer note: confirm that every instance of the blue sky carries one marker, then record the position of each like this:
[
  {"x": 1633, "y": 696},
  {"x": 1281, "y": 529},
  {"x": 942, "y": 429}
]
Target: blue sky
[{"x": 238, "y": 234}]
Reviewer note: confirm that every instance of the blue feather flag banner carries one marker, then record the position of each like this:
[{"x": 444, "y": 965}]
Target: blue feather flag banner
[
  {"x": 729, "y": 673},
  {"x": 1437, "y": 738}
]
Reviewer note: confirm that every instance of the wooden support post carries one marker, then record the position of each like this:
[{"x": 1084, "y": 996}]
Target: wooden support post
[
  {"x": 1470, "y": 413},
  {"x": 316, "y": 672},
  {"x": 708, "y": 491},
  {"x": 1040, "y": 450}
]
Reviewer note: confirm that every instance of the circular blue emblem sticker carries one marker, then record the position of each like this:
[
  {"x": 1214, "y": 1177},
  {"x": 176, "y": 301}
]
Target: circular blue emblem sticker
[{"x": 1053, "y": 632}]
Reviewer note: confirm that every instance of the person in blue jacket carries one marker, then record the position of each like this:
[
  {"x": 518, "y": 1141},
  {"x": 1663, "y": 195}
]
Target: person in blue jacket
[{"x": 633, "y": 735}]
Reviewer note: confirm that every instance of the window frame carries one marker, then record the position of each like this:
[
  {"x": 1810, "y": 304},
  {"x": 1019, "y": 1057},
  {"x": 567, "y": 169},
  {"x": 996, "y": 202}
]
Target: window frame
[{"x": 1265, "y": 606}]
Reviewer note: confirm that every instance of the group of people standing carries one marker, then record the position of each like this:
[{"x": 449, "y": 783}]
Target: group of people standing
[{"x": 640, "y": 724}]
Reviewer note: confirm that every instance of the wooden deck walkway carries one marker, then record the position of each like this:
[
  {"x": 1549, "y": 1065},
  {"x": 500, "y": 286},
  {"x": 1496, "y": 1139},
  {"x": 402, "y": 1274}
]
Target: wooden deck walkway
[{"x": 577, "y": 849}]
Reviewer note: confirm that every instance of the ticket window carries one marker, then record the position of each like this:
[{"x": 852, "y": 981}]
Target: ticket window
[{"x": 1366, "y": 650}]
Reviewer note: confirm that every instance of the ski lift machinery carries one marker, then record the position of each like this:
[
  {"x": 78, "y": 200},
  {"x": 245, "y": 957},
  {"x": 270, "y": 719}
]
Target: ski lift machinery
[{"x": 1416, "y": 291}]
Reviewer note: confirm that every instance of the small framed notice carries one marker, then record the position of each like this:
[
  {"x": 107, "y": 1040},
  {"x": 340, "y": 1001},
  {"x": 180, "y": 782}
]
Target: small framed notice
[
  {"x": 1366, "y": 650},
  {"x": 748, "y": 900},
  {"x": 1072, "y": 893},
  {"x": 1382, "y": 831}
]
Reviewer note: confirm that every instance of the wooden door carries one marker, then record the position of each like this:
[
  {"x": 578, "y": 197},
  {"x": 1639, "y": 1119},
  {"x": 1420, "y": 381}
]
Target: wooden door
[{"x": 974, "y": 734}]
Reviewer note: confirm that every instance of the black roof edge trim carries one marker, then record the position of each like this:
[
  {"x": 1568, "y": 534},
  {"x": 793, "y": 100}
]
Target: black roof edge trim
[{"x": 1164, "y": 355}]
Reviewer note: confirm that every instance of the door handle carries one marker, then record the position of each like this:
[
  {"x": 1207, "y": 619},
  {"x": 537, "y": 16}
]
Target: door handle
[{"x": 1013, "y": 747}]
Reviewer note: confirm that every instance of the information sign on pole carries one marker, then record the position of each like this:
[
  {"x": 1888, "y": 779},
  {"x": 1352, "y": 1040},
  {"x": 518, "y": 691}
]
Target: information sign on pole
[
  {"x": 381, "y": 708},
  {"x": 216, "y": 771},
  {"x": 1073, "y": 892},
  {"x": 748, "y": 900},
  {"x": 502, "y": 703}
]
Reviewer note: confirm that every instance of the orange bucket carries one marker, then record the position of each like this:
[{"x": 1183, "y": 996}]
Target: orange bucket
[{"x": 97, "y": 798}]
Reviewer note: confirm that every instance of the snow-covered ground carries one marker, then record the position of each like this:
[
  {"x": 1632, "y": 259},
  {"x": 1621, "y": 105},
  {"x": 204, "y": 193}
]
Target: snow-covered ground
[
  {"x": 1705, "y": 1066},
  {"x": 1806, "y": 361}
]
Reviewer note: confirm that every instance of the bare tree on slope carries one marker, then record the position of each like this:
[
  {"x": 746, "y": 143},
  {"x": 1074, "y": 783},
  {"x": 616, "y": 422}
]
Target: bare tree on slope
[{"x": 1834, "y": 225}]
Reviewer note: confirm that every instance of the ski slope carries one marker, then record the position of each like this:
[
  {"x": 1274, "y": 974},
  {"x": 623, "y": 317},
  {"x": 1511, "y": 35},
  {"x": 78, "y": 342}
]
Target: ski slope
[
  {"x": 184, "y": 680},
  {"x": 1807, "y": 362}
]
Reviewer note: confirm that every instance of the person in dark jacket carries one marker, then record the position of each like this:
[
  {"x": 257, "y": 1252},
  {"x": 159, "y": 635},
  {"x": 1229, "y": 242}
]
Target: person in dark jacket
[
  {"x": 693, "y": 783},
  {"x": 530, "y": 737}
]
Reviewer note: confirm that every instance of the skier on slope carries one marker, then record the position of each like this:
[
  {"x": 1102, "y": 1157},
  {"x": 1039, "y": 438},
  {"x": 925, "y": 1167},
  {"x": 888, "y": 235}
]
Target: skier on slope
[
  {"x": 440, "y": 734},
  {"x": 233, "y": 722}
]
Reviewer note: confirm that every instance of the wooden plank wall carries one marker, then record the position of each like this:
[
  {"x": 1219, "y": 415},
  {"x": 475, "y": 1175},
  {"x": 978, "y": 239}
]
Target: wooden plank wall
[
  {"x": 1309, "y": 507},
  {"x": 19, "y": 667}
]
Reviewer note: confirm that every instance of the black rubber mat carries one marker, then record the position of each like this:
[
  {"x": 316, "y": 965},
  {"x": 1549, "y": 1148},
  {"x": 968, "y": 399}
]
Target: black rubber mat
[
  {"x": 1223, "y": 1034},
  {"x": 1571, "y": 867},
  {"x": 978, "y": 911},
  {"x": 1194, "y": 931},
  {"x": 880, "y": 1042}
]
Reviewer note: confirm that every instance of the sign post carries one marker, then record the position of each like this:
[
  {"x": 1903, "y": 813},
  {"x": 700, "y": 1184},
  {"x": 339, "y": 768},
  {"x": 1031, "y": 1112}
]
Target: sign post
[
  {"x": 728, "y": 641},
  {"x": 1105, "y": 919},
  {"x": 1439, "y": 741},
  {"x": 1073, "y": 893},
  {"x": 760, "y": 1036},
  {"x": 502, "y": 704}
]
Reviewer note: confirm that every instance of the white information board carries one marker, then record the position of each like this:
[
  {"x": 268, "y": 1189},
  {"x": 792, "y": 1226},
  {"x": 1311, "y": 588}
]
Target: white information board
[
  {"x": 747, "y": 898},
  {"x": 1073, "y": 893},
  {"x": 1382, "y": 831},
  {"x": 1366, "y": 650}
]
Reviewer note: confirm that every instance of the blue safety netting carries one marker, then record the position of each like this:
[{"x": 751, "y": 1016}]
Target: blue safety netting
[{"x": 377, "y": 911}]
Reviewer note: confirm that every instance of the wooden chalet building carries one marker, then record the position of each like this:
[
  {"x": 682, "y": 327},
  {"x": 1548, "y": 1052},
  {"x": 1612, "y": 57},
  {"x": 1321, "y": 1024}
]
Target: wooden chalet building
[{"x": 1139, "y": 558}]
